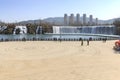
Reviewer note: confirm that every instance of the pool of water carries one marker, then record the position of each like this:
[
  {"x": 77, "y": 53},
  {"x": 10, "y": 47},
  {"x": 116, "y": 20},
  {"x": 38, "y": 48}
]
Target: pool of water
[{"x": 59, "y": 36}]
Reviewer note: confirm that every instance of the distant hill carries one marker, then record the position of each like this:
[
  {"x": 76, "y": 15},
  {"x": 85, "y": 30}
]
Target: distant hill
[
  {"x": 60, "y": 21},
  {"x": 1, "y": 23}
]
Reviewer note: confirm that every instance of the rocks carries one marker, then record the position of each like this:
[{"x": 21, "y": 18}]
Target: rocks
[{"x": 30, "y": 28}]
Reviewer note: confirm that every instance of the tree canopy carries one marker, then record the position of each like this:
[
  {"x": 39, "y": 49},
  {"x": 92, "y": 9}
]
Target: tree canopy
[{"x": 117, "y": 25}]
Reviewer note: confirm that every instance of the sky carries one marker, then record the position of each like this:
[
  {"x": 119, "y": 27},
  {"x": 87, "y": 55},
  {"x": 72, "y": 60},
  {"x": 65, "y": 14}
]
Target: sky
[{"x": 20, "y": 10}]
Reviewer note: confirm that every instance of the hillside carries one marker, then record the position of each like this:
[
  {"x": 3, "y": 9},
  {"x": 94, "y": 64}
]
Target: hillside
[{"x": 60, "y": 20}]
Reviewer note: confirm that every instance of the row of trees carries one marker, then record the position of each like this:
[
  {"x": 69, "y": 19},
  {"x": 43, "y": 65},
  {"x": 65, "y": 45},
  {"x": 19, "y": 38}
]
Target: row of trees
[
  {"x": 116, "y": 23},
  {"x": 47, "y": 28},
  {"x": 8, "y": 30},
  {"x": 31, "y": 28}
]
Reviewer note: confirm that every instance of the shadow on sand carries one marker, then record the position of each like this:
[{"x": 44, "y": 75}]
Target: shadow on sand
[{"x": 116, "y": 50}]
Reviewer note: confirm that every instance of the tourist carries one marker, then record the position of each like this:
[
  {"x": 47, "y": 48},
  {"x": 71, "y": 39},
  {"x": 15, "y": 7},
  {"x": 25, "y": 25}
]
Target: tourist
[
  {"x": 82, "y": 42},
  {"x": 104, "y": 40},
  {"x": 88, "y": 42}
]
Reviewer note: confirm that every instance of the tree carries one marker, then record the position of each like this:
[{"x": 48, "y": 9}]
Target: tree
[
  {"x": 31, "y": 28},
  {"x": 117, "y": 26},
  {"x": 9, "y": 29},
  {"x": 117, "y": 23},
  {"x": 47, "y": 28}
]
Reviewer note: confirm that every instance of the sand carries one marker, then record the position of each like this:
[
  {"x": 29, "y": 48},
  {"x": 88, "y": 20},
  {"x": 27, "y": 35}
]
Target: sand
[{"x": 42, "y": 60}]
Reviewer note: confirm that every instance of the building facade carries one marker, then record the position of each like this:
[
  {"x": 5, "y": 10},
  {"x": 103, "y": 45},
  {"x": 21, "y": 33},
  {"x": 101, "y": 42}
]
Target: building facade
[
  {"x": 78, "y": 19},
  {"x": 91, "y": 20},
  {"x": 65, "y": 20},
  {"x": 96, "y": 21},
  {"x": 84, "y": 19},
  {"x": 71, "y": 20}
]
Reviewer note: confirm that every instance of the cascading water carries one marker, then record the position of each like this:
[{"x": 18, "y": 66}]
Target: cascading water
[
  {"x": 84, "y": 29},
  {"x": 23, "y": 29},
  {"x": 56, "y": 29},
  {"x": 39, "y": 30},
  {"x": 2, "y": 28}
]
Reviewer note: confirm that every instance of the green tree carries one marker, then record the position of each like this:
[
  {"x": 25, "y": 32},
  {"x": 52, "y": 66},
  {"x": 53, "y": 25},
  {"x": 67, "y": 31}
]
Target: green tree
[
  {"x": 31, "y": 28},
  {"x": 117, "y": 26},
  {"x": 9, "y": 30},
  {"x": 47, "y": 28}
]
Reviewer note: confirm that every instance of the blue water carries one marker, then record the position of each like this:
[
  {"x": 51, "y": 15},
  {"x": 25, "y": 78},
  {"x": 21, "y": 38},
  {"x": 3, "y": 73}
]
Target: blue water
[
  {"x": 67, "y": 32},
  {"x": 109, "y": 30},
  {"x": 58, "y": 36}
]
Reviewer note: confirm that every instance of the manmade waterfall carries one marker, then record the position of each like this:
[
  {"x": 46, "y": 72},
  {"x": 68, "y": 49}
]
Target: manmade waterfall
[
  {"x": 110, "y": 30},
  {"x": 59, "y": 32},
  {"x": 39, "y": 30},
  {"x": 22, "y": 29}
]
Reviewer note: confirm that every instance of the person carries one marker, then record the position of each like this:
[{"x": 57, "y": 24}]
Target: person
[
  {"x": 87, "y": 42},
  {"x": 82, "y": 42},
  {"x": 117, "y": 45},
  {"x": 104, "y": 40}
]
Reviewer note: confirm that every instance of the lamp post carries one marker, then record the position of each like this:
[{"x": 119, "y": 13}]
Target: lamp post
[{"x": 60, "y": 34}]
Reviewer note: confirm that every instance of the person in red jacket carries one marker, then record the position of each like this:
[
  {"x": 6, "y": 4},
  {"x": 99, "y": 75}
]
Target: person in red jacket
[{"x": 117, "y": 43}]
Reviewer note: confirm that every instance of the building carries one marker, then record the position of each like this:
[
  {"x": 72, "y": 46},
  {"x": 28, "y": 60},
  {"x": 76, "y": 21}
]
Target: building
[
  {"x": 84, "y": 19},
  {"x": 71, "y": 20},
  {"x": 78, "y": 19},
  {"x": 91, "y": 20},
  {"x": 96, "y": 21},
  {"x": 65, "y": 20}
]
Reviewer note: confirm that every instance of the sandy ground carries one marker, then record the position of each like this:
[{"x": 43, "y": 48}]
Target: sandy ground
[{"x": 59, "y": 61}]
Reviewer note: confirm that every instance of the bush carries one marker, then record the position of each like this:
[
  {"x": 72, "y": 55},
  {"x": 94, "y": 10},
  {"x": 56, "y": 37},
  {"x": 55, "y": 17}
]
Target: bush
[{"x": 117, "y": 26}]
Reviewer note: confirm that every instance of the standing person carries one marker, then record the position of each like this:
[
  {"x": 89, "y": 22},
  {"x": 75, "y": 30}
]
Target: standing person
[
  {"x": 104, "y": 40},
  {"x": 82, "y": 42},
  {"x": 88, "y": 42}
]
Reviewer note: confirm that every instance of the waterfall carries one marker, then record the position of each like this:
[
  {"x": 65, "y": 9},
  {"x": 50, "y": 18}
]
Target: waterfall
[
  {"x": 84, "y": 29},
  {"x": 56, "y": 29},
  {"x": 23, "y": 29},
  {"x": 39, "y": 30},
  {"x": 2, "y": 28}
]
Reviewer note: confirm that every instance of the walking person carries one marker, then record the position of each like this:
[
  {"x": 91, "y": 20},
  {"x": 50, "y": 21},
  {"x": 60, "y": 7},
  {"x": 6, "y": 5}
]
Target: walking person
[
  {"x": 88, "y": 42},
  {"x": 82, "y": 42},
  {"x": 104, "y": 40}
]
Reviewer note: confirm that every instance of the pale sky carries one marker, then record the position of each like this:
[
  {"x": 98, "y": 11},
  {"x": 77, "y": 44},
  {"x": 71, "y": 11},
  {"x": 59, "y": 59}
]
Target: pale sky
[{"x": 19, "y": 10}]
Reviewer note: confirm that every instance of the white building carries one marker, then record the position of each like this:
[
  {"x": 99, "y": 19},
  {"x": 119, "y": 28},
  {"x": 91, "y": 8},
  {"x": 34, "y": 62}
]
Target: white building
[{"x": 84, "y": 19}]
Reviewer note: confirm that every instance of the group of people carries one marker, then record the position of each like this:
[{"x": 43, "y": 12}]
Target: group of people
[
  {"x": 90, "y": 39},
  {"x": 87, "y": 42}
]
